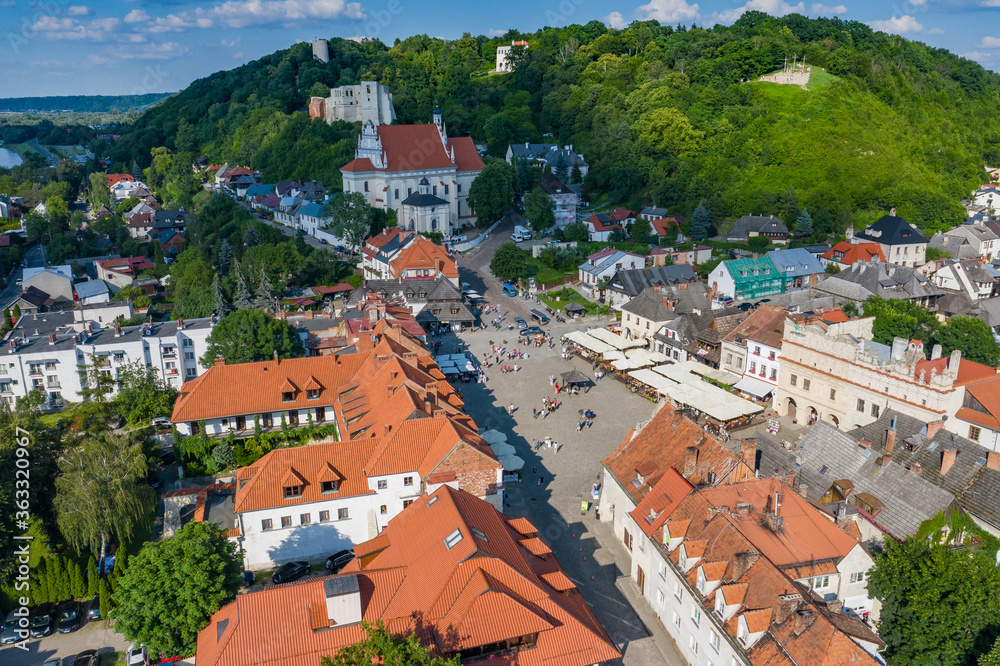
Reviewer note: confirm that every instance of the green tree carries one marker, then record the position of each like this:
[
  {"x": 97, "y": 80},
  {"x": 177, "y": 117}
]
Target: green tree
[
  {"x": 142, "y": 394},
  {"x": 17, "y": 313},
  {"x": 538, "y": 210},
  {"x": 93, "y": 578},
  {"x": 242, "y": 299},
  {"x": 701, "y": 222},
  {"x": 991, "y": 658},
  {"x": 667, "y": 130},
  {"x": 245, "y": 336},
  {"x": 77, "y": 582},
  {"x": 101, "y": 492},
  {"x": 104, "y": 589},
  {"x": 576, "y": 231},
  {"x": 220, "y": 307},
  {"x": 264, "y": 298},
  {"x": 616, "y": 235},
  {"x": 58, "y": 579},
  {"x": 251, "y": 237},
  {"x": 936, "y": 602},
  {"x": 804, "y": 224},
  {"x": 972, "y": 336},
  {"x": 492, "y": 192},
  {"x": 100, "y": 195},
  {"x": 351, "y": 218},
  {"x": 382, "y": 647},
  {"x": 508, "y": 262},
  {"x": 575, "y": 174},
  {"x": 172, "y": 588},
  {"x": 641, "y": 229}
]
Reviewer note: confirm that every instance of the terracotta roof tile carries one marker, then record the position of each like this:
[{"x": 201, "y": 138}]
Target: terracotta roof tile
[
  {"x": 523, "y": 526},
  {"x": 758, "y": 620}
]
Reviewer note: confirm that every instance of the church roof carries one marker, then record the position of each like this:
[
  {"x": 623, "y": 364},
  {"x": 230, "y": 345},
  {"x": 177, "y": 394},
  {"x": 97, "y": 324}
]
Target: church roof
[
  {"x": 419, "y": 147},
  {"x": 421, "y": 200}
]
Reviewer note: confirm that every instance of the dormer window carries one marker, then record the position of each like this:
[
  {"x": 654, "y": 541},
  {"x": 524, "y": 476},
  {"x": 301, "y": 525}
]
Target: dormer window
[
  {"x": 329, "y": 487},
  {"x": 312, "y": 394},
  {"x": 288, "y": 396},
  {"x": 742, "y": 633},
  {"x": 291, "y": 492},
  {"x": 720, "y": 604}
]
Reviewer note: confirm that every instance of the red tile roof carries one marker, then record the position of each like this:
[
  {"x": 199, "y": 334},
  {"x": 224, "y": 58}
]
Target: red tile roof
[
  {"x": 481, "y": 590},
  {"x": 660, "y": 501},
  {"x": 356, "y": 165},
  {"x": 424, "y": 254},
  {"x": 969, "y": 372},
  {"x": 129, "y": 266},
  {"x": 853, "y": 252},
  {"x": 419, "y": 147},
  {"x": 663, "y": 225},
  {"x": 113, "y": 179}
]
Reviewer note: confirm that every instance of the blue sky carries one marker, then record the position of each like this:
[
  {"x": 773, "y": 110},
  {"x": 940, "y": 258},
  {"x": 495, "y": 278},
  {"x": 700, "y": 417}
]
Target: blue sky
[{"x": 71, "y": 47}]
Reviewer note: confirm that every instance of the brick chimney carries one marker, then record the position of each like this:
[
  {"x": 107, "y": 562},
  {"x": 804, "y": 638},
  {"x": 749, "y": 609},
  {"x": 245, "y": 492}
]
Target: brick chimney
[
  {"x": 788, "y": 604},
  {"x": 993, "y": 460},
  {"x": 885, "y": 459},
  {"x": 890, "y": 437},
  {"x": 690, "y": 460},
  {"x": 180, "y": 323},
  {"x": 803, "y": 490},
  {"x": 803, "y": 620},
  {"x": 220, "y": 361},
  {"x": 52, "y": 338},
  {"x": 934, "y": 428},
  {"x": 916, "y": 468},
  {"x": 118, "y": 330},
  {"x": 743, "y": 561},
  {"x": 865, "y": 443},
  {"x": 748, "y": 452},
  {"x": 947, "y": 460}
]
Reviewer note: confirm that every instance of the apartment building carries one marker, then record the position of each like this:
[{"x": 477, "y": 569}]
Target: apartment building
[
  {"x": 752, "y": 352},
  {"x": 901, "y": 243},
  {"x": 45, "y": 350}
]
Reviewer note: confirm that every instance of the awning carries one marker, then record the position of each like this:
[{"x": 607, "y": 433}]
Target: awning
[{"x": 754, "y": 387}]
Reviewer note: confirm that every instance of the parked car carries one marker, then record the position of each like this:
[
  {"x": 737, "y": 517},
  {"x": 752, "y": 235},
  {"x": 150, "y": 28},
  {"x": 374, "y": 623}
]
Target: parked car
[
  {"x": 339, "y": 560},
  {"x": 54, "y": 661},
  {"x": 167, "y": 458},
  {"x": 68, "y": 617},
  {"x": 286, "y": 573},
  {"x": 87, "y": 658},
  {"x": 745, "y": 306},
  {"x": 137, "y": 656},
  {"x": 94, "y": 608},
  {"x": 249, "y": 578},
  {"x": 322, "y": 241},
  {"x": 161, "y": 422},
  {"x": 531, "y": 330},
  {"x": 41, "y": 621},
  {"x": 521, "y": 324},
  {"x": 10, "y": 626}
]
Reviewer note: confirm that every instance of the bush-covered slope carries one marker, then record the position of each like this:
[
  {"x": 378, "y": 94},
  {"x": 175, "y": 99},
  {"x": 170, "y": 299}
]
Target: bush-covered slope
[{"x": 662, "y": 114}]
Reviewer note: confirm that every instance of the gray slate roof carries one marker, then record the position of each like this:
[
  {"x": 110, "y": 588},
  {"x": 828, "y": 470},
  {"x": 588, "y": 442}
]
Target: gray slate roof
[
  {"x": 824, "y": 454},
  {"x": 632, "y": 281},
  {"x": 882, "y": 279},
  {"x": 891, "y": 230},
  {"x": 548, "y": 152},
  {"x": 761, "y": 224}
]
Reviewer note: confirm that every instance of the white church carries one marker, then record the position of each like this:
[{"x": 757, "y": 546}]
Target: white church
[{"x": 393, "y": 163}]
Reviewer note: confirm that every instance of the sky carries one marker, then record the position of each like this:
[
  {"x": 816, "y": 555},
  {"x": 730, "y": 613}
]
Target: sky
[{"x": 122, "y": 47}]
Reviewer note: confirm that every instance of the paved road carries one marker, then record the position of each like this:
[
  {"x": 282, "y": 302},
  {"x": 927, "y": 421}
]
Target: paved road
[
  {"x": 34, "y": 145},
  {"x": 585, "y": 548},
  {"x": 33, "y": 258},
  {"x": 91, "y": 636}
]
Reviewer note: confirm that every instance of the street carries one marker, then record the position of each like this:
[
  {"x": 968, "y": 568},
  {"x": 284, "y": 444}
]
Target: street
[{"x": 33, "y": 258}]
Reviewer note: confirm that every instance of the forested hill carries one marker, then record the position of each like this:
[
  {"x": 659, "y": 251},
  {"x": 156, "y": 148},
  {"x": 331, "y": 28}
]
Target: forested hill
[
  {"x": 661, "y": 113},
  {"x": 81, "y": 103}
]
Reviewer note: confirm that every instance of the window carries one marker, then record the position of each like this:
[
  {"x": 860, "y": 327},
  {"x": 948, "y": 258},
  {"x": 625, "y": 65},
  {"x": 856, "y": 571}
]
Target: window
[
  {"x": 729, "y": 359},
  {"x": 861, "y": 405},
  {"x": 875, "y": 410},
  {"x": 793, "y": 380},
  {"x": 677, "y": 620},
  {"x": 382, "y": 485},
  {"x": 720, "y": 604},
  {"x": 820, "y": 582},
  {"x": 446, "y": 190},
  {"x": 407, "y": 503},
  {"x": 753, "y": 366},
  {"x": 366, "y": 186},
  {"x": 805, "y": 384},
  {"x": 774, "y": 374},
  {"x": 330, "y": 486},
  {"x": 342, "y": 514},
  {"x": 292, "y": 491},
  {"x": 659, "y": 598},
  {"x": 189, "y": 356},
  {"x": 396, "y": 193},
  {"x": 679, "y": 591},
  {"x": 452, "y": 539},
  {"x": 974, "y": 433},
  {"x": 407, "y": 480},
  {"x": 305, "y": 519},
  {"x": 266, "y": 524},
  {"x": 324, "y": 516},
  {"x": 742, "y": 634},
  {"x": 434, "y": 190},
  {"x": 833, "y": 394},
  {"x": 286, "y": 521},
  {"x": 288, "y": 396},
  {"x": 383, "y": 509},
  {"x": 715, "y": 642},
  {"x": 409, "y": 191},
  {"x": 756, "y": 351},
  {"x": 739, "y": 361},
  {"x": 458, "y": 188},
  {"x": 312, "y": 394},
  {"x": 628, "y": 540},
  {"x": 858, "y": 576},
  {"x": 696, "y": 616},
  {"x": 663, "y": 570},
  {"x": 693, "y": 644}
]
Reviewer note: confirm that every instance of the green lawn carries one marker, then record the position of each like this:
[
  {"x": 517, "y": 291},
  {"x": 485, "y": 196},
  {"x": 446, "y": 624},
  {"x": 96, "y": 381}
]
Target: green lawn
[
  {"x": 557, "y": 300},
  {"x": 542, "y": 273}
]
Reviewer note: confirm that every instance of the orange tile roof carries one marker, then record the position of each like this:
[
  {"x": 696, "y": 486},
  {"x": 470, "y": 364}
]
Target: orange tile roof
[
  {"x": 478, "y": 591},
  {"x": 733, "y": 594},
  {"x": 663, "y": 443},
  {"x": 535, "y": 546},
  {"x": 466, "y": 156},
  {"x": 854, "y": 252},
  {"x": 558, "y": 580},
  {"x": 523, "y": 526},
  {"x": 113, "y": 179},
  {"x": 424, "y": 254},
  {"x": 403, "y": 144},
  {"x": 765, "y": 325},
  {"x": 758, "y": 620},
  {"x": 359, "y": 165},
  {"x": 972, "y": 416},
  {"x": 968, "y": 371},
  {"x": 660, "y": 501},
  {"x": 987, "y": 392},
  {"x": 714, "y": 570}
]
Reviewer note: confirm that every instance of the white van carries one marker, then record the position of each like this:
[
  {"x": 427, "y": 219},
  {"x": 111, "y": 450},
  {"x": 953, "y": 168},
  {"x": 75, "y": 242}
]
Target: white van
[{"x": 520, "y": 234}]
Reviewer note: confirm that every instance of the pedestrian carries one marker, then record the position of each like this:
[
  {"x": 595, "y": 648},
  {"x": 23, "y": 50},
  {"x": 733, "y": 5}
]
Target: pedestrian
[
  {"x": 540, "y": 479},
  {"x": 511, "y": 411},
  {"x": 534, "y": 472}
]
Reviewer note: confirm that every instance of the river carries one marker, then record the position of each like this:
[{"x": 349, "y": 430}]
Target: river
[{"x": 9, "y": 159}]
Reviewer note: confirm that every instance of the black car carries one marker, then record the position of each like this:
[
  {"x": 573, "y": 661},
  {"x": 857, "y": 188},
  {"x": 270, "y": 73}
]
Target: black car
[
  {"x": 94, "y": 608},
  {"x": 745, "y": 306},
  {"x": 41, "y": 621},
  {"x": 289, "y": 572},
  {"x": 531, "y": 330},
  {"x": 339, "y": 560},
  {"x": 249, "y": 578},
  {"x": 68, "y": 617},
  {"x": 87, "y": 658}
]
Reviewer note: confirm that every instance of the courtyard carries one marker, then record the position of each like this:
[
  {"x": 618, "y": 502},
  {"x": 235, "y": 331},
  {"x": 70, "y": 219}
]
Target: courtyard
[{"x": 555, "y": 481}]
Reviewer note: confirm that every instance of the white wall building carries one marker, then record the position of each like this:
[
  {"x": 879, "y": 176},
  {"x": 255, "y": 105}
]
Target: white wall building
[{"x": 504, "y": 63}]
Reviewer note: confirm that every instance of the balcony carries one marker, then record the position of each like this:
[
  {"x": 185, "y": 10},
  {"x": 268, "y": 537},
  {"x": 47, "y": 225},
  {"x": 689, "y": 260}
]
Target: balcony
[
  {"x": 34, "y": 372},
  {"x": 170, "y": 355}
]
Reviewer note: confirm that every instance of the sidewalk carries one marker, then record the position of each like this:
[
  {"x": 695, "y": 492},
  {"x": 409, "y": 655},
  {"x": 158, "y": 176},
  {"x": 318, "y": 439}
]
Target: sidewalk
[{"x": 666, "y": 651}]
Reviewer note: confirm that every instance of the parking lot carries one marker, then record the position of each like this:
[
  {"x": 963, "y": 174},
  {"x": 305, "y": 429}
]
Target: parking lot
[
  {"x": 91, "y": 636},
  {"x": 585, "y": 548}
]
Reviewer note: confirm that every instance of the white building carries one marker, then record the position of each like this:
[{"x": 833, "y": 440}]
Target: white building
[
  {"x": 391, "y": 160},
  {"x": 424, "y": 212},
  {"x": 504, "y": 63},
  {"x": 366, "y": 102},
  {"x": 606, "y": 263},
  {"x": 45, "y": 350},
  {"x": 752, "y": 352},
  {"x": 967, "y": 277}
]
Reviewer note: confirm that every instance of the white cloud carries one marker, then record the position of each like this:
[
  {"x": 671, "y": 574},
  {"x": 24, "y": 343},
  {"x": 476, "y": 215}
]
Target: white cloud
[
  {"x": 78, "y": 10},
  {"x": 902, "y": 25},
  {"x": 237, "y": 55},
  {"x": 137, "y": 16},
  {"x": 243, "y": 13},
  {"x": 977, "y": 55},
  {"x": 991, "y": 3},
  {"x": 231, "y": 42},
  {"x": 616, "y": 20},
  {"x": 990, "y": 43},
  {"x": 496, "y": 32},
  {"x": 48, "y": 63},
  {"x": 917, "y": 3},
  {"x": 934, "y": 31},
  {"x": 824, "y": 10},
  {"x": 67, "y": 28},
  {"x": 772, "y": 7},
  {"x": 667, "y": 11},
  {"x": 160, "y": 51}
]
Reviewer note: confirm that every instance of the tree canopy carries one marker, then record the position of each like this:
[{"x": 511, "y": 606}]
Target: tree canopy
[
  {"x": 382, "y": 647},
  {"x": 508, "y": 262},
  {"x": 492, "y": 192},
  {"x": 538, "y": 210},
  {"x": 246, "y": 336}
]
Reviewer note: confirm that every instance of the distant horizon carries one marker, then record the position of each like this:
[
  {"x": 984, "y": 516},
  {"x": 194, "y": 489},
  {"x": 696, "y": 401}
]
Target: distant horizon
[{"x": 120, "y": 47}]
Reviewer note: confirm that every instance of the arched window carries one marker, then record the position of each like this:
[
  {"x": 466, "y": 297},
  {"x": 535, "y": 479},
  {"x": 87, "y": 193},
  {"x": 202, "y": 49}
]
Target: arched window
[
  {"x": 434, "y": 224},
  {"x": 366, "y": 186}
]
